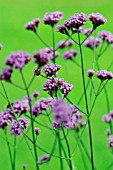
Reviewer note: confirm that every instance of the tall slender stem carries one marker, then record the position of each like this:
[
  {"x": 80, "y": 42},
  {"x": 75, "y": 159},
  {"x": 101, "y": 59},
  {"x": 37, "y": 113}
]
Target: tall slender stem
[
  {"x": 32, "y": 123},
  {"x": 60, "y": 152},
  {"x": 14, "y": 155},
  {"x": 69, "y": 153},
  {"x": 53, "y": 35},
  {"x": 86, "y": 101}
]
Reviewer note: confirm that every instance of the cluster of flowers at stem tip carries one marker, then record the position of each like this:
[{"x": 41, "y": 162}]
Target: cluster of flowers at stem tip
[
  {"x": 101, "y": 74},
  {"x": 108, "y": 118},
  {"x": 75, "y": 22},
  {"x": 18, "y": 108}
]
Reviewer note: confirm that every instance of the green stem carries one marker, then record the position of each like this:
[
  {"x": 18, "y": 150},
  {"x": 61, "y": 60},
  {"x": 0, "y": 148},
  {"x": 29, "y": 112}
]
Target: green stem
[
  {"x": 69, "y": 153},
  {"x": 86, "y": 101},
  {"x": 60, "y": 152},
  {"x": 53, "y": 35},
  {"x": 32, "y": 123},
  {"x": 9, "y": 149},
  {"x": 43, "y": 42},
  {"x": 14, "y": 155}
]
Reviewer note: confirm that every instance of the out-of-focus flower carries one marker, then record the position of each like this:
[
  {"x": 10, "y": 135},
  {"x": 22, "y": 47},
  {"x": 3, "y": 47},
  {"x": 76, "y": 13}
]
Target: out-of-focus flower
[
  {"x": 43, "y": 56},
  {"x": 17, "y": 59},
  {"x": 5, "y": 118},
  {"x": 110, "y": 141},
  {"x": 52, "y": 18},
  {"x": 32, "y": 25},
  {"x": 15, "y": 127},
  {"x": 64, "y": 43},
  {"x": 43, "y": 158},
  {"x": 97, "y": 19},
  {"x": 68, "y": 55},
  {"x": 86, "y": 31},
  {"x": 92, "y": 42},
  {"x": 106, "y": 118},
  {"x": 1, "y": 46},
  {"x": 41, "y": 105},
  {"x": 37, "y": 131},
  {"x": 106, "y": 36},
  {"x": 6, "y": 74}
]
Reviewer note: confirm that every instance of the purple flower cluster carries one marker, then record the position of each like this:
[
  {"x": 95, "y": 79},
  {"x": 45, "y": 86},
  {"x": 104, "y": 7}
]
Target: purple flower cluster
[
  {"x": 43, "y": 56},
  {"x": 45, "y": 157},
  {"x": 21, "y": 106},
  {"x": 41, "y": 105},
  {"x": 15, "y": 126},
  {"x": 61, "y": 111},
  {"x": 5, "y": 118},
  {"x": 104, "y": 74},
  {"x": 97, "y": 19},
  {"x": 32, "y": 25},
  {"x": 90, "y": 73},
  {"x": 75, "y": 21},
  {"x": 52, "y": 18},
  {"x": 51, "y": 69},
  {"x": 92, "y": 42},
  {"x": 108, "y": 117},
  {"x": 62, "y": 44},
  {"x": 86, "y": 31},
  {"x": 106, "y": 36},
  {"x": 62, "y": 29},
  {"x": 17, "y": 59},
  {"x": 68, "y": 55},
  {"x": 67, "y": 115},
  {"x": 6, "y": 74},
  {"x": 110, "y": 141},
  {"x": 52, "y": 85}
]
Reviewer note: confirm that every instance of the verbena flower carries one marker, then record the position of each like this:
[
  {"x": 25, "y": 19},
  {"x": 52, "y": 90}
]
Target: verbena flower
[
  {"x": 106, "y": 118},
  {"x": 6, "y": 74},
  {"x": 32, "y": 25},
  {"x": 41, "y": 105},
  {"x": 17, "y": 59},
  {"x": 92, "y": 42},
  {"x": 35, "y": 94},
  {"x": 104, "y": 74},
  {"x": 110, "y": 141},
  {"x": 68, "y": 55},
  {"x": 61, "y": 111},
  {"x": 37, "y": 131},
  {"x": 90, "y": 73},
  {"x": 75, "y": 21},
  {"x": 62, "y": 29},
  {"x": 37, "y": 71},
  {"x": 97, "y": 19},
  {"x": 5, "y": 118},
  {"x": 15, "y": 127},
  {"x": 86, "y": 31},
  {"x": 52, "y": 18},
  {"x": 51, "y": 69},
  {"x": 51, "y": 86},
  {"x": 106, "y": 36},
  {"x": 62, "y": 44},
  {"x": 43, "y": 158},
  {"x": 108, "y": 132},
  {"x": 43, "y": 56},
  {"x": 21, "y": 106}
]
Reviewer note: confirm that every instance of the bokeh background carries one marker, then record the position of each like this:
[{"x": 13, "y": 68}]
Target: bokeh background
[{"x": 14, "y": 14}]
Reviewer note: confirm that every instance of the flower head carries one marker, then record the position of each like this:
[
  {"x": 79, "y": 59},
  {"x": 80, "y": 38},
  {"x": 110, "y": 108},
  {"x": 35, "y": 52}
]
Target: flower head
[
  {"x": 52, "y": 18},
  {"x": 45, "y": 157},
  {"x": 68, "y": 55},
  {"x": 17, "y": 59},
  {"x": 92, "y": 42},
  {"x": 110, "y": 141},
  {"x": 51, "y": 69},
  {"x": 41, "y": 105},
  {"x": 90, "y": 73},
  {"x": 75, "y": 21},
  {"x": 15, "y": 127},
  {"x": 1, "y": 46},
  {"x": 63, "y": 44},
  {"x": 6, "y": 74},
  {"x": 32, "y": 25},
  {"x": 5, "y": 118},
  {"x": 106, "y": 36},
  {"x": 104, "y": 74},
  {"x": 97, "y": 19}
]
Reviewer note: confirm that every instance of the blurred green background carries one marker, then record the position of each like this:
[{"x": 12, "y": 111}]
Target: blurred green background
[{"x": 14, "y": 14}]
